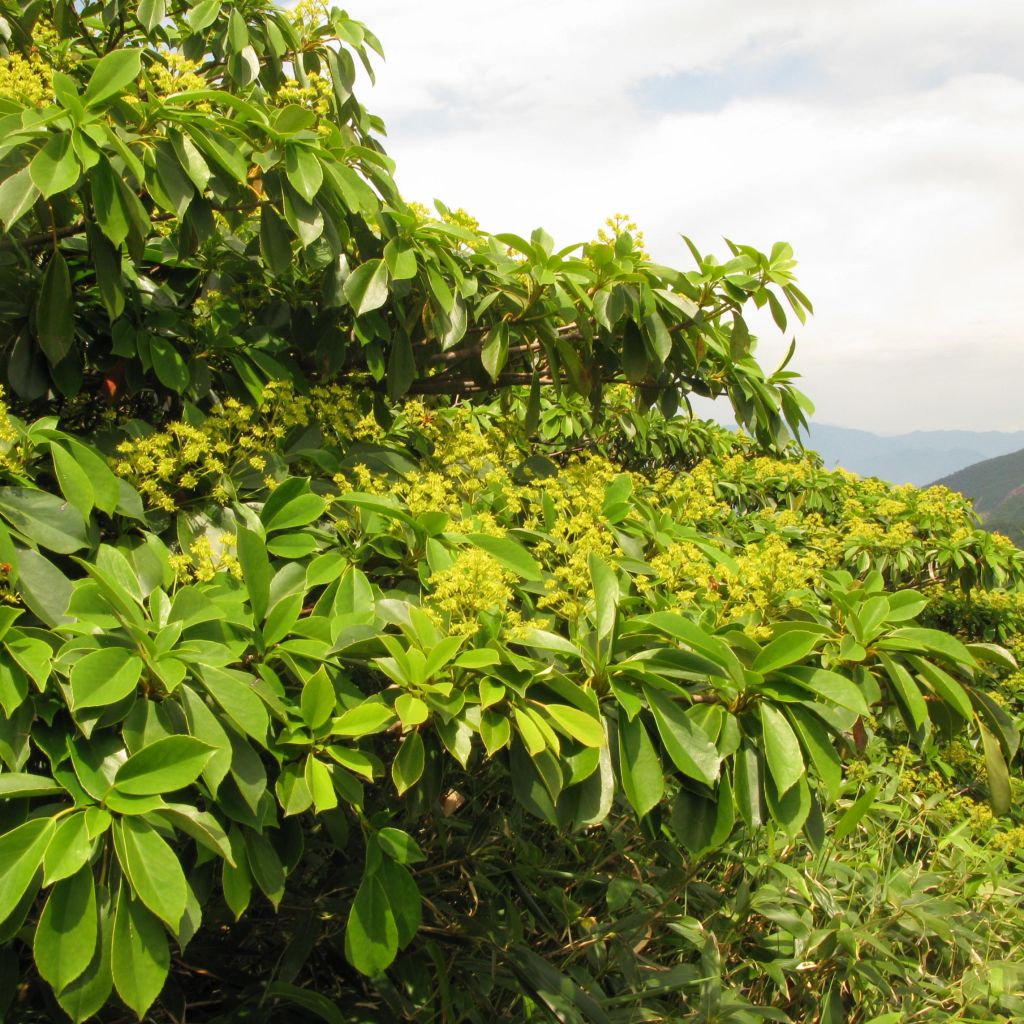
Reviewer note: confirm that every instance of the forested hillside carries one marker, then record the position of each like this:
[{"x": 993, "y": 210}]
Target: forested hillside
[
  {"x": 380, "y": 638},
  {"x": 996, "y": 486}
]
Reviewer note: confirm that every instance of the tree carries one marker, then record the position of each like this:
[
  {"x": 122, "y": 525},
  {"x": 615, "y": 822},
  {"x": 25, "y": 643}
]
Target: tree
[
  {"x": 163, "y": 161},
  {"x": 343, "y": 545}
]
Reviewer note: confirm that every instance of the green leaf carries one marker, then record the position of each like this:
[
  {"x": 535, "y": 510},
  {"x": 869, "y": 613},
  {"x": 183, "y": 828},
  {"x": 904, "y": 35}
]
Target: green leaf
[
  {"x": 639, "y": 767},
  {"x": 576, "y": 724},
  {"x": 22, "y": 784},
  {"x": 787, "y": 649},
  {"x": 946, "y": 687},
  {"x": 403, "y": 898},
  {"x": 931, "y": 641},
  {"x": 371, "y": 935},
  {"x": 275, "y": 243},
  {"x": 407, "y": 767},
  {"x": 55, "y": 168},
  {"x": 509, "y": 553},
  {"x": 400, "y": 258},
  {"x": 906, "y": 691},
  {"x": 139, "y": 956},
  {"x": 43, "y": 587},
  {"x": 1000, "y": 795},
  {"x": 606, "y": 596},
  {"x": 87, "y": 994},
  {"x": 106, "y": 261},
  {"x": 266, "y": 866},
  {"x": 108, "y": 203},
  {"x": 318, "y": 699},
  {"x": 105, "y": 676},
  {"x": 73, "y": 480},
  {"x": 170, "y": 368},
  {"x": 303, "y": 170},
  {"x": 68, "y": 850},
  {"x": 55, "y": 324},
  {"x": 685, "y": 742},
  {"x": 818, "y": 744},
  {"x": 112, "y": 76},
  {"x": 256, "y": 570},
  {"x": 163, "y": 766},
  {"x": 362, "y": 720},
  {"x": 366, "y": 288},
  {"x": 239, "y": 701},
  {"x": 44, "y": 518},
  {"x": 65, "y": 938},
  {"x": 831, "y": 686},
  {"x": 292, "y": 511},
  {"x": 312, "y": 1002},
  {"x": 151, "y": 13},
  {"x": 202, "y": 826},
  {"x": 18, "y": 194},
  {"x": 854, "y": 813},
  {"x": 21, "y": 854},
  {"x": 319, "y": 779},
  {"x": 400, "y": 846},
  {"x": 203, "y": 14},
  {"x": 153, "y": 870},
  {"x": 781, "y": 748},
  {"x": 494, "y": 352}
]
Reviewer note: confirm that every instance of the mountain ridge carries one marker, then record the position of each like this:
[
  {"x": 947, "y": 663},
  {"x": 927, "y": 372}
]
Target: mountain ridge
[
  {"x": 916, "y": 457},
  {"x": 997, "y": 489}
]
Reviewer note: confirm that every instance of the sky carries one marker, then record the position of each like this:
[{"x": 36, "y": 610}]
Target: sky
[{"x": 884, "y": 140}]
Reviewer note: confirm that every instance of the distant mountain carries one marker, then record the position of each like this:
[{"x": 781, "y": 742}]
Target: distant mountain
[
  {"x": 915, "y": 458},
  {"x": 997, "y": 487}
]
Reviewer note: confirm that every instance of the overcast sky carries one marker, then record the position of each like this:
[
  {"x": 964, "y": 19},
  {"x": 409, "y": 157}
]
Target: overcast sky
[{"x": 883, "y": 140}]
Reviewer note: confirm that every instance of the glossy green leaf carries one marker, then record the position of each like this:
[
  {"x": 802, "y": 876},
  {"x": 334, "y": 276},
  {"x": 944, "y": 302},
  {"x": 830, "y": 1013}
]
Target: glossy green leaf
[
  {"x": 153, "y": 869},
  {"x": 139, "y": 955},
  {"x": 371, "y": 934},
  {"x": 362, "y": 720},
  {"x": 21, "y": 854},
  {"x": 55, "y": 168},
  {"x": 366, "y": 288},
  {"x": 639, "y": 768},
  {"x": 104, "y": 676},
  {"x": 163, "y": 766},
  {"x": 55, "y": 326},
  {"x": 584, "y": 728},
  {"x": 65, "y": 938},
  {"x": 786, "y": 649},
  {"x": 112, "y": 76},
  {"x": 68, "y": 850},
  {"x": 781, "y": 749},
  {"x": 689, "y": 747},
  {"x": 508, "y": 553},
  {"x": 407, "y": 767}
]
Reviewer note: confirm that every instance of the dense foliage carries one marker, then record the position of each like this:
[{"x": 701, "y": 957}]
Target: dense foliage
[{"x": 377, "y": 642}]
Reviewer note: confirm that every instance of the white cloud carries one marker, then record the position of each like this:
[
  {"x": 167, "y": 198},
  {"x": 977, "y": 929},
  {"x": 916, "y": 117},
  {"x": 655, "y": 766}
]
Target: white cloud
[{"x": 892, "y": 162}]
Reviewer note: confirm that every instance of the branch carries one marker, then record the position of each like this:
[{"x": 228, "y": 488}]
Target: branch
[{"x": 44, "y": 239}]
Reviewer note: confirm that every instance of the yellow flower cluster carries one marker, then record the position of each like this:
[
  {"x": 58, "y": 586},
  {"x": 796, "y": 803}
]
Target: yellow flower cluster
[
  {"x": 577, "y": 531},
  {"x": 12, "y": 455},
  {"x": 26, "y": 80},
  {"x": 315, "y": 96},
  {"x": 176, "y": 73},
  {"x": 205, "y": 558},
  {"x": 309, "y": 13},
  {"x": 621, "y": 224},
  {"x": 684, "y": 573},
  {"x": 474, "y": 583},
  {"x": 182, "y": 459},
  {"x": 468, "y": 474}
]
